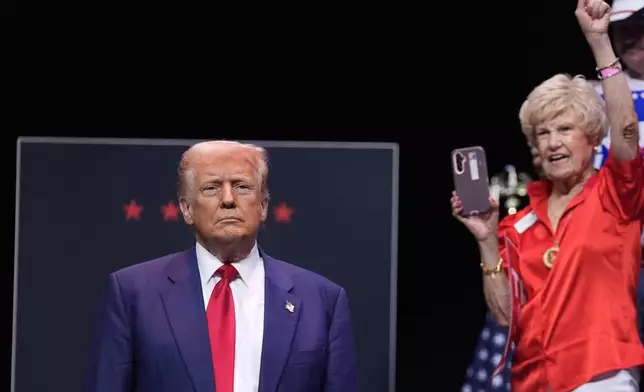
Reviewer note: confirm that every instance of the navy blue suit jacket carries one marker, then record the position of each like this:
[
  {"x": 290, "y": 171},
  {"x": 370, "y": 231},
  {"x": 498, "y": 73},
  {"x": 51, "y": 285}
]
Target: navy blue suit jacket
[{"x": 152, "y": 333}]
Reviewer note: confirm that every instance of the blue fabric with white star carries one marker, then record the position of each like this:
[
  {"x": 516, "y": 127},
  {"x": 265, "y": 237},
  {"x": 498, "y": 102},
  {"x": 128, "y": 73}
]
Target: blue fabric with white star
[
  {"x": 638, "y": 101},
  {"x": 487, "y": 355}
]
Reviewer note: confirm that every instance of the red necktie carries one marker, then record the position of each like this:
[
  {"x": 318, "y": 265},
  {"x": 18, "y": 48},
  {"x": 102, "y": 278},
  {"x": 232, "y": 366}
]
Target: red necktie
[{"x": 221, "y": 329}]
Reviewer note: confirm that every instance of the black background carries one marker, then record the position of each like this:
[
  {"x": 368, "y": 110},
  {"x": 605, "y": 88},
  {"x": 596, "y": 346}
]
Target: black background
[{"x": 430, "y": 79}]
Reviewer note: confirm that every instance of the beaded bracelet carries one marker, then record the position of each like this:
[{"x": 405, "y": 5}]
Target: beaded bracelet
[{"x": 494, "y": 270}]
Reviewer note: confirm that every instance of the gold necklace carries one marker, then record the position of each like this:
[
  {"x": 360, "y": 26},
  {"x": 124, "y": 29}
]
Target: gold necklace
[{"x": 550, "y": 255}]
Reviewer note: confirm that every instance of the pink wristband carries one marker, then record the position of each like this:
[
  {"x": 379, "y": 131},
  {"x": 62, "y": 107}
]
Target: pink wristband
[{"x": 607, "y": 72}]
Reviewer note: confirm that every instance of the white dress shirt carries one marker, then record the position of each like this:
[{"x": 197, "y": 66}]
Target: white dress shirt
[
  {"x": 614, "y": 380},
  {"x": 248, "y": 297}
]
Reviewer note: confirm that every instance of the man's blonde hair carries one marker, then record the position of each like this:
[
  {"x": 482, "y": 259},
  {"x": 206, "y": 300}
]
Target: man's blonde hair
[
  {"x": 184, "y": 171},
  {"x": 559, "y": 94}
]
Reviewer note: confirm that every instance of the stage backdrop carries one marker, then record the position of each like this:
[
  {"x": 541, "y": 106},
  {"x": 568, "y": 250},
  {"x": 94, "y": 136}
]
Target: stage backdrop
[{"x": 89, "y": 207}]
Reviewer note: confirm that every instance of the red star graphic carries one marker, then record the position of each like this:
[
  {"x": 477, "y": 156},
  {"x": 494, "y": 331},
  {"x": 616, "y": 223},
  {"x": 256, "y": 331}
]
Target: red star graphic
[
  {"x": 170, "y": 212},
  {"x": 283, "y": 213},
  {"x": 133, "y": 210}
]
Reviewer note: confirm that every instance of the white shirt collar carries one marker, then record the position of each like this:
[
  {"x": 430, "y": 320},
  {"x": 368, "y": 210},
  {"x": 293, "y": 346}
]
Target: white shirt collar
[
  {"x": 635, "y": 84},
  {"x": 209, "y": 263}
]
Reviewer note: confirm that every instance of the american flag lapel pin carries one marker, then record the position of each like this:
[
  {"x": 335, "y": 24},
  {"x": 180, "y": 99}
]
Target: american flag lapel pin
[{"x": 290, "y": 307}]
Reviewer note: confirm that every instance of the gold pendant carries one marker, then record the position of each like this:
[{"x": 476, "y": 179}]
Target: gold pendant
[{"x": 550, "y": 255}]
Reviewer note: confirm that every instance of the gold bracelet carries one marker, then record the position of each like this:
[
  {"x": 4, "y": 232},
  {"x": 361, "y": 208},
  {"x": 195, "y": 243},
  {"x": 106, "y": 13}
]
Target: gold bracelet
[{"x": 494, "y": 270}]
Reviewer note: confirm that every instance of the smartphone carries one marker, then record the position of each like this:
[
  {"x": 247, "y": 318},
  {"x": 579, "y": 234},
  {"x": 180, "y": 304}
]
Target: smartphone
[{"x": 469, "y": 166}]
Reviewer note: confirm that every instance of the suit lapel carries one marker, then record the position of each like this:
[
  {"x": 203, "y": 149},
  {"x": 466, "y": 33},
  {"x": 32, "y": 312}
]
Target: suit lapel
[
  {"x": 279, "y": 324},
  {"x": 183, "y": 301}
]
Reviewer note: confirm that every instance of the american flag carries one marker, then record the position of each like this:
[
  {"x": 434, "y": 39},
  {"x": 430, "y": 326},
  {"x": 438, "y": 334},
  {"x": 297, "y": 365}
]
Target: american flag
[{"x": 487, "y": 354}]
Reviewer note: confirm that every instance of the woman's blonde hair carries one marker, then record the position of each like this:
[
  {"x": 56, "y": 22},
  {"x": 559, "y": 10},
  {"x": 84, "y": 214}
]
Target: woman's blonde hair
[{"x": 559, "y": 94}]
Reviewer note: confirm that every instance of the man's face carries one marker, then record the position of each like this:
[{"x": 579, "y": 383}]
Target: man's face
[
  {"x": 628, "y": 36},
  {"x": 223, "y": 199}
]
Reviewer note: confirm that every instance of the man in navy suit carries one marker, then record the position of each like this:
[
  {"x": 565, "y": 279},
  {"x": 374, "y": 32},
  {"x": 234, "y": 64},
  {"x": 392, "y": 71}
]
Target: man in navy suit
[{"x": 223, "y": 316}]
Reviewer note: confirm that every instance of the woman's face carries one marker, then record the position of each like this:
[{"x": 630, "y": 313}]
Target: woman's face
[
  {"x": 564, "y": 146},
  {"x": 628, "y": 36},
  {"x": 634, "y": 57}
]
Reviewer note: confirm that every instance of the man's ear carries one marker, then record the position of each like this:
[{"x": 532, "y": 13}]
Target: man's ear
[
  {"x": 264, "y": 209},
  {"x": 186, "y": 210}
]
